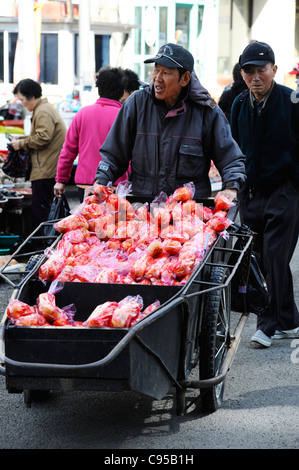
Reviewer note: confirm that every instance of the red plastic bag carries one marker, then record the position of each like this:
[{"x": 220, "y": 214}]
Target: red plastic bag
[
  {"x": 46, "y": 307},
  {"x": 128, "y": 309},
  {"x": 222, "y": 203},
  {"x": 72, "y": 222},
  {"x": 102, "y": 192},
  {"x": 106, "y": 275},
  {"x": 34, "y": 319},
  {"x": 184, "y": 193},
  {"x": 151, "y": 308},
  {"x": 52, "y": 267},
  {"x": 101, "y": 315},
  {"x": 77, "y": 235},
  {"x": 17, "y": 308}
]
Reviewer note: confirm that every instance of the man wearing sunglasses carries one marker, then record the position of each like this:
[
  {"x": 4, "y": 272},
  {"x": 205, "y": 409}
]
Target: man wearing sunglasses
[{"x": 170, "y": 131}]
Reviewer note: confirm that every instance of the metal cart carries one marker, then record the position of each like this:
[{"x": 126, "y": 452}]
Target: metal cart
[{"x": 186, "y": 344}]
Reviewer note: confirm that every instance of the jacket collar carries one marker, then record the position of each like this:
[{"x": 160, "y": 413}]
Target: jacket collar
[
  {"x": 199, "y": 94},
  {"x": 108, "y": 102},
  {"x": 41, "y": 101},
  {"x": 265, "y": 99}
]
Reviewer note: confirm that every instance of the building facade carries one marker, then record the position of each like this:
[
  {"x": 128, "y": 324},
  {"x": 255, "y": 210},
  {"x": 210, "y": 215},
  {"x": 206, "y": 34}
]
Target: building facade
[{"x": 77, "y": 37}]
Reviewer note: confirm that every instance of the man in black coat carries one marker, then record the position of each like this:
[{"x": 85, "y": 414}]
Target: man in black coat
[{"x": 265, "y": 123}]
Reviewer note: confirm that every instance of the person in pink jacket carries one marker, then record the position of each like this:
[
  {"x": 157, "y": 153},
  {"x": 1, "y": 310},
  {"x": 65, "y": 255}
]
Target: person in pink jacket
[{"x": 88, "y": 130}]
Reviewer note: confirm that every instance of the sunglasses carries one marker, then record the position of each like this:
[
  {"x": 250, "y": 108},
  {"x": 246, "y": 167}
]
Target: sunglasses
[{"x": 170, "y": 58}]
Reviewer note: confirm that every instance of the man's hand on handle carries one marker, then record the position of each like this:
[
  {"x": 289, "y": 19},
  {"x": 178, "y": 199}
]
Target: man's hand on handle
[{"x": 230, "y": 194}]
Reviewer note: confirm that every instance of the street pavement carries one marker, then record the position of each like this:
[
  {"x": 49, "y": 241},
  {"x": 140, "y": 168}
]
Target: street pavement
[{"x": 260, "y": 408}]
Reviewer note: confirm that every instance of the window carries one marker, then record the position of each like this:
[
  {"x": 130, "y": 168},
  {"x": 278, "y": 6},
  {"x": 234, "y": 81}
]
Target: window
[
  {"x": 49, "y": 59},
  {"x": 1, "y": 59},
  {"x": 102, "y": 51},
  {"x": 182, "y": 26},
  {"x": 200, "y": 18},
  {"x": 150, "y": 29},
  {"x": 137, "y": 31},
  {"x": 12, "y": 43},
  {"x": 163, "y": 26},
  {"x": 76, "y": 55}
]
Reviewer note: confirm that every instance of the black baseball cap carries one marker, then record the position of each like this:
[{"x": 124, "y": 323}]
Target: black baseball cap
[
  {"x": 257, "y": 53},
  {"x": 173, "y": 56}
]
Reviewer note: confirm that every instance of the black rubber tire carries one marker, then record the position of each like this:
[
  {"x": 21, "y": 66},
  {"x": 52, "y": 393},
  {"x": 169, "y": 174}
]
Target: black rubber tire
[{"x": 214, "y": 338}]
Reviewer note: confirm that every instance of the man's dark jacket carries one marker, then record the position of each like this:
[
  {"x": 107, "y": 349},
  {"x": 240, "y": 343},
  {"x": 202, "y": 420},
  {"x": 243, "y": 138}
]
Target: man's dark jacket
[
  {"x": 169, "y": 148},
  {"x": 269, "y": 140}
]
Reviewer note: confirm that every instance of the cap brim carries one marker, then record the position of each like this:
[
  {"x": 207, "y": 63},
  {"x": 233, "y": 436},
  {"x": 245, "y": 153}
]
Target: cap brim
[
  {"x": 294, "y": 72},
  {"x": 259, "y": 63},
  {"x": 162, "y": 61}
]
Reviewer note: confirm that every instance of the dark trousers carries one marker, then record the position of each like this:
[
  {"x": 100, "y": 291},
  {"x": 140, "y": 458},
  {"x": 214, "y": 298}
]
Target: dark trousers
[
  {"x": 42, "y": 198},
  {"x": 274, "y": 216}
]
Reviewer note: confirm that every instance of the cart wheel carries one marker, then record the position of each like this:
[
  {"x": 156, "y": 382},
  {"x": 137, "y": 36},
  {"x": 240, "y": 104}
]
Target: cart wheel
[{"x": 214, "y": 338}]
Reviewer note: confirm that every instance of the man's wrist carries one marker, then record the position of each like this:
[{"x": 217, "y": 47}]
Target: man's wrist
[
  {"x": 101, "y": 180},
  {"x": 231, "y": 185}
]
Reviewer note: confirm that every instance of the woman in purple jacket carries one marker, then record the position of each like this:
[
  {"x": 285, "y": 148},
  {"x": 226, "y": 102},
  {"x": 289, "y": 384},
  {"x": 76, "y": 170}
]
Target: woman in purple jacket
[{"x": 88, "y": 131}]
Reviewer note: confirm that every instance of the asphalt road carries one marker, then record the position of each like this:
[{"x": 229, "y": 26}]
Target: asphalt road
[{"x": 260, "y": 409}]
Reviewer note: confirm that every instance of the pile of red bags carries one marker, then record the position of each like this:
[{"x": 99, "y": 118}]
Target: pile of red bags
[
  {"x": 109, "y": 240},
  {"x": 123, "y": 314},
  {"x": 44, "y": 313}
]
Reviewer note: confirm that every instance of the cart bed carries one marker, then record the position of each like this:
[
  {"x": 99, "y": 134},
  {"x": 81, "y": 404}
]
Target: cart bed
[{"x": 134, "y": 369}]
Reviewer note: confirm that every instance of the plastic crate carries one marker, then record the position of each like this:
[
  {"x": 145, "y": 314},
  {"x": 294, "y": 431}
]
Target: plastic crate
[{"x": 8, "y": 241}]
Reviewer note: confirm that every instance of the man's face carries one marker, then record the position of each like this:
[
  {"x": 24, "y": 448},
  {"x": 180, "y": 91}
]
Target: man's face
[
  {"x": 167, "y": 83},
  {"x": 258, "y": 79}
]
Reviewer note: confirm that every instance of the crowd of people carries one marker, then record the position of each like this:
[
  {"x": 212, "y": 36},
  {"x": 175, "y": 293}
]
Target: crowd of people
[
  {"x": 167, "y": 134},
  {"x": 53, "y": 148}
]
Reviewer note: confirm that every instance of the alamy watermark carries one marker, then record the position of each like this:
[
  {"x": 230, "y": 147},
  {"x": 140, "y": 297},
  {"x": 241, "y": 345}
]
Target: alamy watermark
[
  {"x": 295, "y": 96},
  {"x": 295, "y": 353}
]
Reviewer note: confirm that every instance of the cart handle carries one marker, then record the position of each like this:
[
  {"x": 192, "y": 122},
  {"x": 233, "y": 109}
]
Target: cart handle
[{"x": 132, "y": 332}]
